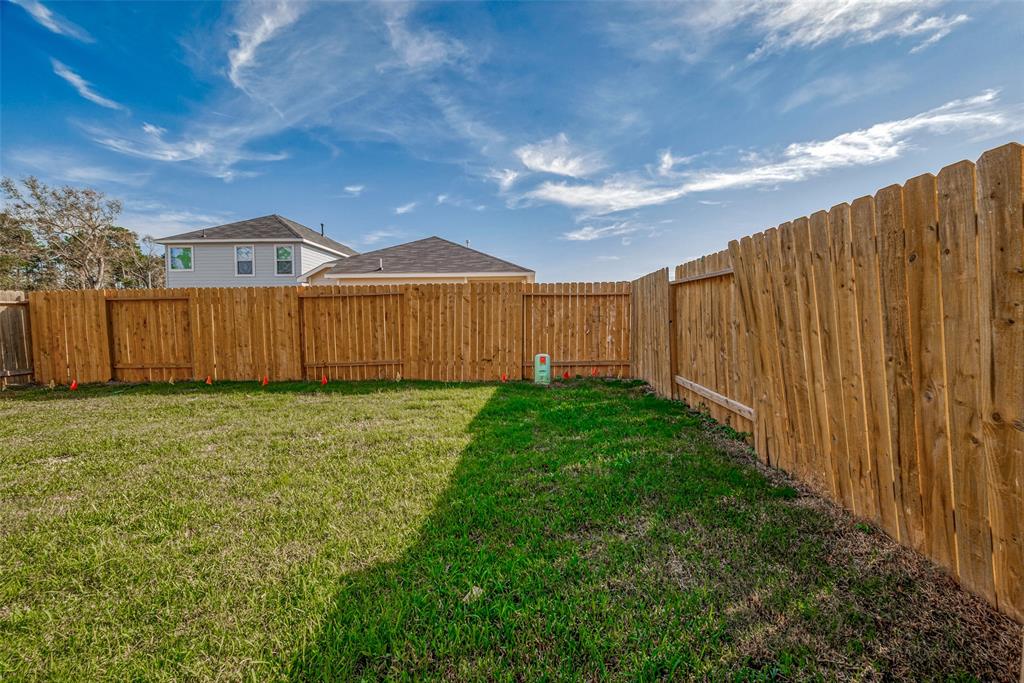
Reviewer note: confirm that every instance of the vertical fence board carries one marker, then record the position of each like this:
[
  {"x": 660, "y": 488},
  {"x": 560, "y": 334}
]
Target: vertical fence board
[
  {"x": 873, "y": 373},
  {"x": 1001, "y": 262},
  {"x": 958, "y": 258},
  {"x": 899, "y": 368}
]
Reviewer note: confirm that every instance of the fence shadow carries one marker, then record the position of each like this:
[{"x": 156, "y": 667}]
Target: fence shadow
[{"x": 583, "y": 535}]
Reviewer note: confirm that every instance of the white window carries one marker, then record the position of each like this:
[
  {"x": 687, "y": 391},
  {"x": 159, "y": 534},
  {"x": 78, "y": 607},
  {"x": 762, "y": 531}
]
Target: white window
[
  {"x": 180, "y": 258},
  {"x": 284, "y": 259},
  {"x": 244, "y": 262}
]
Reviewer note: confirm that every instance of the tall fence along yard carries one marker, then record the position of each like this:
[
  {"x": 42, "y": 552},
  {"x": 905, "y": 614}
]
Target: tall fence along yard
[
  {"x": 877, "y": 350},
  {"x": 449, "y": 332},
  {"x": 874, "y": 350}
]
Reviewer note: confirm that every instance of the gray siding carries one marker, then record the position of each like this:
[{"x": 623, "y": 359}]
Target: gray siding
[
  {"x": 214, "y": 266},
  {"x": 313, "y": 257}
]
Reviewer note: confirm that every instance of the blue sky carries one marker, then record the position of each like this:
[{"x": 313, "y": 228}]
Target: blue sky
[{"x": 585, "y": 140}]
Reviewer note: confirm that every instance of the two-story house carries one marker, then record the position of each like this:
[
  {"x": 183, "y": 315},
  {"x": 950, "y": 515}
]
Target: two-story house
[
  {"x": 259, "y": 252},
  {"x": 273, "y": 250}
]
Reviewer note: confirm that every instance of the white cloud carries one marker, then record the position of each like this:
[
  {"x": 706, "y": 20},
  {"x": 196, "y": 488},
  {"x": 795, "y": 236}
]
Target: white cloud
[
  {"x": 317, "y": 68},
  {"x": 54, "y": 22},
  {"x": 405, "y": 208},
  {"x": 838, "y": 89},
  {"x": 419, "y": 49},
  {"x": 808, "y": 24},
  {"x": 609, "y": 258},
  {"x": 159, "y": 220},
  {"x": 878, "y": 143},
  {"x": 83, "y": 86},
  {"x": 798, "y": 161},
  {"x": 609, "y": 196},
  {"x": 256, "y": 28},
  {"x": 505, "y": 178},
  {"x": 557, "y": 156},
  {"x": 667, "y": 162},
  {"x": 354, "y": 190},
  {"x": 590, "y": 232},
  {"x": 55, "y": 164},
  {"x": 218, "y": 153},
  {"x": 460, "y": 202},
  {"x": 689, "y": 31},
  {"x": 376, "y": 236}
]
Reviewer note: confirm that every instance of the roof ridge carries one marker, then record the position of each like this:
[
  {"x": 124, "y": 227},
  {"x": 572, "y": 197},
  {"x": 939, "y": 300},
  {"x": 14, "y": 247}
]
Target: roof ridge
[
  {"x": 477, "y": 251},
  {"x": 285, "y": 222}
]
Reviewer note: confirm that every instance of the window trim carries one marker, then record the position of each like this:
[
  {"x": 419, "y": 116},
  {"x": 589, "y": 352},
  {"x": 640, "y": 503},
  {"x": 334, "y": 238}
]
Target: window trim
[
  {"x": 191, "y": 248},
  {"x": 252, "y": 248},
  {"x": 277, "y": 260}
]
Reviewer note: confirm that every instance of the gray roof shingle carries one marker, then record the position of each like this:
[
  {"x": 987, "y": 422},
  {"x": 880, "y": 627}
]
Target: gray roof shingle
[
  {"x": 264, "y": 227},
  {"x": 429, "y": 255}
]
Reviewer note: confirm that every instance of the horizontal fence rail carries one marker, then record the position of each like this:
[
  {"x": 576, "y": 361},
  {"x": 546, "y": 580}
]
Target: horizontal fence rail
[
  {"x": 448, "y": 332},
  {"x": 876, "y": 351}
]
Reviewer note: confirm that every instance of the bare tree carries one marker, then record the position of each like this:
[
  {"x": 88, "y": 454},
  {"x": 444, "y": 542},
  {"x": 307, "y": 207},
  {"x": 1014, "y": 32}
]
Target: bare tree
[
  {"x": 74, "y": 226},
  {"x": 138, "y": 264}
]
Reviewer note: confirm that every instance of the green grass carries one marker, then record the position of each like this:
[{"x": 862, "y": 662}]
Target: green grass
[{"x": 416, "y": 530}]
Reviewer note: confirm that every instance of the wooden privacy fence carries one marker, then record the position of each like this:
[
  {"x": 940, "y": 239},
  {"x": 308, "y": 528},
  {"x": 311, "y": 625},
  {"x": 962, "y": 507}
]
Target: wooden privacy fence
[
  {"x": 15, "y": 356},
  {"x": 876, "y": 350},
  {"x": 450, "y": 332}
]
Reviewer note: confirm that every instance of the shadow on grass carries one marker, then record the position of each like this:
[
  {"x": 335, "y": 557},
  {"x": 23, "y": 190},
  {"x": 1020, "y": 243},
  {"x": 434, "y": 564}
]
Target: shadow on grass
[{"x": 592, "y": 532}]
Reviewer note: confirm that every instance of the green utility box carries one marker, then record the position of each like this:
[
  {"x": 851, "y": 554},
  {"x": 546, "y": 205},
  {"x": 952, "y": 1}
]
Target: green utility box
[{"x": 542, "y": 369}]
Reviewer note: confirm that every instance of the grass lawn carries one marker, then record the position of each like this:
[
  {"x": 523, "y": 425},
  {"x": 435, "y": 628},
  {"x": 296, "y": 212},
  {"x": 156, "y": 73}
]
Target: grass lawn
[{"x": 422, "y": 530}]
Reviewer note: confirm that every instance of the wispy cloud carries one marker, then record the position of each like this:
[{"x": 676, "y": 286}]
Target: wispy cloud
[
  {"x": 505, "y": 177},
  {"x": 557, "y": 156},
  {"x": 354, "y": 190},
  {"x": 405, "y": 208},
  {"x": 798, "y": 161},
  {"x": 667, "y": 163},
  {"x": 218, "y": 153},
  {"x": 361, "y": 71},
  {"x": 376, "y": 236},
  {"x": 460, "y": 202},
  {"x": 154, "y": 218},
  {"x": 878, "y": 143},
  {"x": 838, "y": 89},
  {"x": 807, "y": 24},
  {"x": 588, "y": 233},
  {"x": 258, "y": 24},
  {"x": 56, "y": 164},
  {"x": 83, "y": 86},
  {"x": 689, "y": 31},
  {"x": 54, "y": 22},
  {"x": 419, "y": 49}
]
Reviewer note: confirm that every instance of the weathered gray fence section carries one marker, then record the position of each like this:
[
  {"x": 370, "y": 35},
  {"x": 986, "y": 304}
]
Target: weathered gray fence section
[{"x": 15, "y": 339}]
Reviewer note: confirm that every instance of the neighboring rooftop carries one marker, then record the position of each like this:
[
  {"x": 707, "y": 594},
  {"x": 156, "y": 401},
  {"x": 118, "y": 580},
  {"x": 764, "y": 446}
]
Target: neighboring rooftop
[
  {"x": 429, "y": 255},
  {"x": 264, "y": 227}
]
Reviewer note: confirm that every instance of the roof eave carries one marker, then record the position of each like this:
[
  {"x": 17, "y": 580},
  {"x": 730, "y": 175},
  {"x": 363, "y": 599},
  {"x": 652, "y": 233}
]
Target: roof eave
[
  {"x": 459, "y": 273},
  {"x": 247, "y": 240}
]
